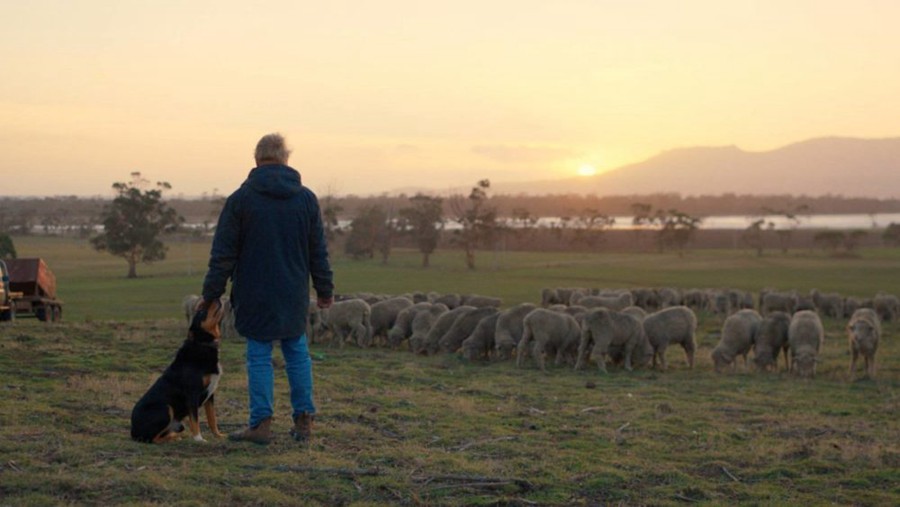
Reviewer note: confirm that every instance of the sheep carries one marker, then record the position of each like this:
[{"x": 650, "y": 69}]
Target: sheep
[
  {"x": 851, "y": 304},
  {"x": 480, "y": 343},
  {"x": 636, "y": 312},
  {"x": 384, "y": 315},
  {"x": 718, "y": 302},
  {"x": 738, "y": 334},
  {"x": 829, "y": 305},
  {"x": 450, "y": 300},
  {"x": 615, "y": 303},
  {"x": 805, "y": 302},
  {"x": 645, "y": 298},
  {"x": 345, "y": 319},
  {"x": 771, "y": 340},
  {"x": 402, "y": 329},
  {"x": 886, "y": 306},
  {"x": 549, "y": 297},
  {"x": 675, "y": 324},
  {"x": 603, "y": 328},
  {"x": 421, "y": 325},
  {"x": 547, "y": 331},
  {"x": 778, "y": 301},
  {"x": 863, "y": 333},
  {"x": 462, "y": 327},
  {"x": 431, "y": 344},
  {"x": 805, "y": 337},
  {"x": 481, "y": 301},
  {"x": 510, "y": 328},
  {"x": 668, "y": 297},
  {"x": 695, "y": 299},
  {"x": 188, "y": 305}
]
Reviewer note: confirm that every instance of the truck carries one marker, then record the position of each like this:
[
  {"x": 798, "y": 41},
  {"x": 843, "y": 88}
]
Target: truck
[
  {"x": 33, "y": 289},
  {"x": 7, "y": 297}
]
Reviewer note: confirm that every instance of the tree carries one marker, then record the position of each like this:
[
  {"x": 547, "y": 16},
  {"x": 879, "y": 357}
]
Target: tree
[
  {"x": 642, "y": 217},
  {"x": 477, "y": 221},
  {"x": 364, "y": 230},
  {"x": 134, "y": 221},
  {"x": 424, "y": 220},
  {"x": 852, "y": 239},
  {"x": 330, "y": 211},
  {"x": 7, "y": 248},
  {"x": 830, "y": 241},
  {"x": 792, "y": 216},
  {"x": 891, "y": 235},
  {"x": 677, "y": 229},
  {"x": 589, "y": 227},
  {"x": 753, "y": 236}
]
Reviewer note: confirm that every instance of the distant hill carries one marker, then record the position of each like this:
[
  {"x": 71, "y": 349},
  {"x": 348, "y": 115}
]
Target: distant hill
[{"x": 831, "y": 165}]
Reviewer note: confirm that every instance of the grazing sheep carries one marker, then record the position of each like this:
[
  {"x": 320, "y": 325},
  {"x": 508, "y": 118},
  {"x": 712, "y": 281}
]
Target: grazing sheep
[
  {"x": 694, "y": 299},
  {"x": 419, "y": 297},
  {"x": 805, "y": 336},
  {"x": 421, "y": 325},
  {"x": 778, "y": 302},
  {"x": 614, "y": 303},
  {"x": 384, "y": 315},
  {"x": 443, "y": 324},
  {"x": 636, "y": 312},
  {"x": 402, "y": 329},
  {"x": 864, "y": 332},
  {"x": 738, "y": 334},
  {"x": 603, "y": 328},
  {"x": 481, "y": 301},
  {"x": 188, "y": 305},
  {"x": 547, "y": 331},
  {"x": 480, "y": 343},
  {"x": 771, "y": 340},
  {"x": 668, "y": 297},
  {"x": 451, "y": 301},
  {"x": 645, "y": 298},
  {"x": 828, "y": 305},
  {"x": 675, "y": 324},
  {"x": 887, "y": 306},
  {"x": 462, "y": 327},
  {"x": 509, "y": 329},
  {"x": 851, "y": 304},
  {"x": 549, "y": 297},
  {"x": 718, "y": 302},
  {"x": 226, "y": 325},
  {"x": 805, "y": 303},
  {"x": 345, "y": 319}
]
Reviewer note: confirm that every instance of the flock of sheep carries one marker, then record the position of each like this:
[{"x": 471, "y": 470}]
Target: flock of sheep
[{"x": 632, "y": 328}]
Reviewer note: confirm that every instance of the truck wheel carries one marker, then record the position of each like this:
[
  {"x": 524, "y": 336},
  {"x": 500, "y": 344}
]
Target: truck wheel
[
  {"x": 57, "y": 313},
  {"x": 41, "y": 313},
  {"x": 8, "y": 315}
]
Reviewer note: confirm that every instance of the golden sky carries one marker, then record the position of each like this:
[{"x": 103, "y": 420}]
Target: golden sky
[{"x": 376, "y": 96}]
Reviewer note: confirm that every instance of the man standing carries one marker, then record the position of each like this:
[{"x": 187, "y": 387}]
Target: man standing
[{"x": 269, "y": 240}]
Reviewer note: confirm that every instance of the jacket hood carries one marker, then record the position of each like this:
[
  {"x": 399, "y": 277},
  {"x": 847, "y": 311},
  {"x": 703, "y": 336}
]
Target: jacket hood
[{"x": 275, "y": 180}]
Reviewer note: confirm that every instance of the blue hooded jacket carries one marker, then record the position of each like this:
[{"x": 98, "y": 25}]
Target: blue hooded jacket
[{"x": 270, "y": 241}]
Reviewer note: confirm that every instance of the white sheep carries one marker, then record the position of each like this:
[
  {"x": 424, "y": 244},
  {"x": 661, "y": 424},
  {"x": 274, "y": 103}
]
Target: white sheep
[
  {"x": 601, "y": 329},
  {"x": 672, "y": 325},
  {"x": 547, "y": 332},
  {"x": 805, "y": 337},
  {"x": 738, "y": 334},
  {"x": 864, "y": 333}
]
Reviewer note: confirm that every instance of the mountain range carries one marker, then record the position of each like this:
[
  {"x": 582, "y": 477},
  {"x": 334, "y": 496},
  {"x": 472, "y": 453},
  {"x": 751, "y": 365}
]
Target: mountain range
[{"x": 850, "y": 167}]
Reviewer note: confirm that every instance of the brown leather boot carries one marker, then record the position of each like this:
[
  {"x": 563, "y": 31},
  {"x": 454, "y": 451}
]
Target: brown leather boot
[
  {"x": 259, "y": 434},
  {"x": 302, "y": 430}
]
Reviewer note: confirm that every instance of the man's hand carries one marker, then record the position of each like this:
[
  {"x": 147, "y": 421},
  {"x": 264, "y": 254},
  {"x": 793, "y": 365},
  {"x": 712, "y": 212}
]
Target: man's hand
[{"x": 324, "y": 303}]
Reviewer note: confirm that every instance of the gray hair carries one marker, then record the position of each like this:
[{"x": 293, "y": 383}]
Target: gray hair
[{"x": 272, "y": 148}]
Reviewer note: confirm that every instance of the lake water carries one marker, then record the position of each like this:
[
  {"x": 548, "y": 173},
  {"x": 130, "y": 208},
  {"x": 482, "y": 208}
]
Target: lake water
[{"x": 840, "y": 222}]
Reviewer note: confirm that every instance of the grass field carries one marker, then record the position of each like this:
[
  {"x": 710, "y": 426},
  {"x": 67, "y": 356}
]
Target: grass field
[{"x": 394, "y": 428}]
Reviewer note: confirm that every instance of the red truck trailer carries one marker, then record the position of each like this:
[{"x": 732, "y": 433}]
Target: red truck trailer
[{"x": 37, "y": 285}]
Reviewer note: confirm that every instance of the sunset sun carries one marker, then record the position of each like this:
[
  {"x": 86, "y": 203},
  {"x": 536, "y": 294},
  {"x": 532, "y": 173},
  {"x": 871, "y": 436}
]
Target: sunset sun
[{"x": 587, "y": 170}]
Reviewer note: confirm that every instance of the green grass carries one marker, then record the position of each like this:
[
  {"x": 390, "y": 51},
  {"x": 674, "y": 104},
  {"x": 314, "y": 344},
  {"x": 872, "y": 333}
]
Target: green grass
[{"x": 400, "y": 429}]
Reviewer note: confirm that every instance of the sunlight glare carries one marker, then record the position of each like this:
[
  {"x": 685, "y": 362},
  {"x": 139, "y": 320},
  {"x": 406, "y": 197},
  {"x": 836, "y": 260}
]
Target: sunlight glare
[{"x": 587, "y": 170}]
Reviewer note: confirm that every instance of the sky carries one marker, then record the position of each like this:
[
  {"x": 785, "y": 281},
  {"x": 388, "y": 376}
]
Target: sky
[{"x": 380, "y": 96}]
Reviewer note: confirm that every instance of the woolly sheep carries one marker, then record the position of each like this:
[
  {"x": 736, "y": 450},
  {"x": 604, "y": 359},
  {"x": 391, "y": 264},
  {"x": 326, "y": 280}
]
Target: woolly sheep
[
  {"x": 718, "y": 302},
  {"x": 462, "y": 327},
  {"x": 738, "y": 334},
  {"x": 828, "y": 305},
  {"x": 615, "y": 303},
  {"x": 384, "y": 315},
  {"x": 188, "y": 305},
  {"x": 481, "y": 301},
  {"x": 668, "y": 297},
  {"x": 450, "y": 300},
  {"x": 345, "y": 319},
  {"x": 443, "y": 324},
  {"x": 602, "y": 328},
  {"x": 778, "y": 302},
  {"x": 546, "y": 331},
  {"x": 863, "y": 333},
  {"x": 645, "y": 298},
  {"x": 510, "y": 328},
  {"x": 549, "y": 297},
  {"x": 695, "y": 299},
  {"x": 805, "y": 337},
  {"x": 402, "y": 329},
  {"x": 886, "y": 306},
  {"x": 636, "y": 312},
  {"x": 772, "y": 339},
  {"x": 421, "y": 325},
  {"x": 851, "y": 304},
  {"x": 480, "y": 343},
  {"x": 673, "y": 325}
]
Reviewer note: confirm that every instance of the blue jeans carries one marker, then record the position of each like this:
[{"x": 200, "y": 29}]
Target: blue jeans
[{"x": 261, "y": 377}]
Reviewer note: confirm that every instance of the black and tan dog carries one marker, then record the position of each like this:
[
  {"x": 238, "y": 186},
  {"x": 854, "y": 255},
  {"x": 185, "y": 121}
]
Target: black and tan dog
[{"x": 186, "y": 385}]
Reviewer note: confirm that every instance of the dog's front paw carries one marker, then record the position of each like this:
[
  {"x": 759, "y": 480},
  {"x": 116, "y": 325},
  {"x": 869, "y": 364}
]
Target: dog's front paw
[
  {"x": 219, "y": 434},
  {"x": 199, "y": 438}
]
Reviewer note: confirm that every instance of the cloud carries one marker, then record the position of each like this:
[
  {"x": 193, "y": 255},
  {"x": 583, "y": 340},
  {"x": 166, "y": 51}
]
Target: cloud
[{"x": 506, "y": 154}]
